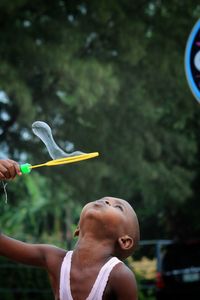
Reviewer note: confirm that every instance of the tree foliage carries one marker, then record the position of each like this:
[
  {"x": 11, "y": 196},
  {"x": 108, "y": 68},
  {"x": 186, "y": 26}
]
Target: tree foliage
[{"x": 107, "y": 76}]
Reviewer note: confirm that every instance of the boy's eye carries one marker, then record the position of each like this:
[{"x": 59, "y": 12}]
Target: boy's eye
[{"x": 120, "y": 207}]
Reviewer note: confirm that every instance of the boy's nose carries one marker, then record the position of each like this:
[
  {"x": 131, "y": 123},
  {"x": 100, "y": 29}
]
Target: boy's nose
[{"x": 107, "y": 202}]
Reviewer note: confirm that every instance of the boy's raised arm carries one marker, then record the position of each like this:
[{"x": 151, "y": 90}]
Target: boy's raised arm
[
  {"x": 21, "y": 252},
  {"x": 32, "y": 254}
]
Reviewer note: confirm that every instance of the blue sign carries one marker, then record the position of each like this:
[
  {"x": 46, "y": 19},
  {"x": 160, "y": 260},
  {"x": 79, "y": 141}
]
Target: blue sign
[{"x": 192, "y": 61}]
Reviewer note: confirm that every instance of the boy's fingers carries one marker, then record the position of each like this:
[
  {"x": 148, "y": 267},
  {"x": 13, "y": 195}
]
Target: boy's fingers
[
  {"x": 3, "y": 170},
  {"x": 16, "y": 169},
  {"x": 9, "y": 169},
  {"x": 2, "y": 177},
  {"x": 11, "y": 172}
]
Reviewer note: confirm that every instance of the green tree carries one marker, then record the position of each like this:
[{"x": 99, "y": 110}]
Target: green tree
[{"x": 107, "y": 76}]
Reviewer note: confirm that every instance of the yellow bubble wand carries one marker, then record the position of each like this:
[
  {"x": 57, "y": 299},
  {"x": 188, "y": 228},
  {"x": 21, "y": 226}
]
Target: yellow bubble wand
[
  {"x": 60, "y": 157},
  {"x": 26, "y": 168}
]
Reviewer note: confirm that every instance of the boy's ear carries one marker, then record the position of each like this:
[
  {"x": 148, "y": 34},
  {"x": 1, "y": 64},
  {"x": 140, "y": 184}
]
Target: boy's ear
[
  {"x": 125, "y": 242},
  {"x": 76, "y": 232}
]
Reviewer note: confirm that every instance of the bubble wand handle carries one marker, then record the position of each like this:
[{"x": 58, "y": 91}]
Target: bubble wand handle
[{"x": 25, "y": 168}]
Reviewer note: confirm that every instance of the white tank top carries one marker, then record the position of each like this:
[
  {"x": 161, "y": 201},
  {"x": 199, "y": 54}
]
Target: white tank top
[{"x": 98, "y": 288}]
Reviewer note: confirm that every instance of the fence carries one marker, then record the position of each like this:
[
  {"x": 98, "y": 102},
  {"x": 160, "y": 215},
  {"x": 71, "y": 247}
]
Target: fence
[{"x": 23, "y": 282}]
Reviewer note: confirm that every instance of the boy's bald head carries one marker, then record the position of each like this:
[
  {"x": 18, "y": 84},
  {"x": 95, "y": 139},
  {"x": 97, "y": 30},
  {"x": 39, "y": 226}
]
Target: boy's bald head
[{"x": 130, "y": 228}]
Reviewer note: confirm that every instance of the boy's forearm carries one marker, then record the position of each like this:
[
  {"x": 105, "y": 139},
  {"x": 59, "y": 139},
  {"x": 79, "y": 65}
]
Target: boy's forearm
[
  {"x": 7, "y": 247},
  {"x": 21, "y": 252},
  {"x": 31, "y": 254}
]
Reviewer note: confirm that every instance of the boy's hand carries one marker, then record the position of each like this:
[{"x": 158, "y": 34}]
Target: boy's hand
[{"x": 9, "y": 169}]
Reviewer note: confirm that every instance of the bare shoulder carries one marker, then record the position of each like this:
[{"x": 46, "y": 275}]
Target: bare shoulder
[
  {"x": 123, "y": 283},
  {"x": 53, "y": 255}
]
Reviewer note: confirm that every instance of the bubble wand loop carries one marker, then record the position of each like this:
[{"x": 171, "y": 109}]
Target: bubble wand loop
[{"x": 26, "y": 168}]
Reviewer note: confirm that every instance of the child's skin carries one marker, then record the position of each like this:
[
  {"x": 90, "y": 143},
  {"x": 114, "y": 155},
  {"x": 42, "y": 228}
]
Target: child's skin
[{"x": 108, "y": 227}]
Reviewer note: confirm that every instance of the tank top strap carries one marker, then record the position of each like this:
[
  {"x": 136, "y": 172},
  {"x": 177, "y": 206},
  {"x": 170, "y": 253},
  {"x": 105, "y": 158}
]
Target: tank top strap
[
  {"x": 65, "y": 293},
  {"x": 102, "y": 279}
]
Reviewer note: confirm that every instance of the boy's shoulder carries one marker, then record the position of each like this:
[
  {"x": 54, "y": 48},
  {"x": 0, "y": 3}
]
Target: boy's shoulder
[
  {"x": 54, "y": 257},
  {"x": 122, "y": 282},
  {"x": 122, "y": 272},
  {"x": 55, "y": 253}
]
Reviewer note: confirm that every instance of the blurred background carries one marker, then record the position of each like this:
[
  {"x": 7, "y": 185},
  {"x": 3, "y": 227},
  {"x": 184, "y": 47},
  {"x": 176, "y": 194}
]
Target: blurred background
[{"x": 106, "y": 76}]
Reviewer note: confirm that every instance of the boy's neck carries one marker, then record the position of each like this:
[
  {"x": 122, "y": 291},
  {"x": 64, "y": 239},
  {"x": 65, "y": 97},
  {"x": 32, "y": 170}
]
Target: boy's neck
[{"x": 88, "y": 250}]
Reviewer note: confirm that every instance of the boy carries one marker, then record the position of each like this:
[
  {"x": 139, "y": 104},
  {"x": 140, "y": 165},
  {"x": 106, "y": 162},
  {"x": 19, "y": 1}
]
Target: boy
[{"x": 108, "y": 232}]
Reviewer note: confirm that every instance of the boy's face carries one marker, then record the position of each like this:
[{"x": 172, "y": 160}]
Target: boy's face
[{"x": 108, "y": 217}]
